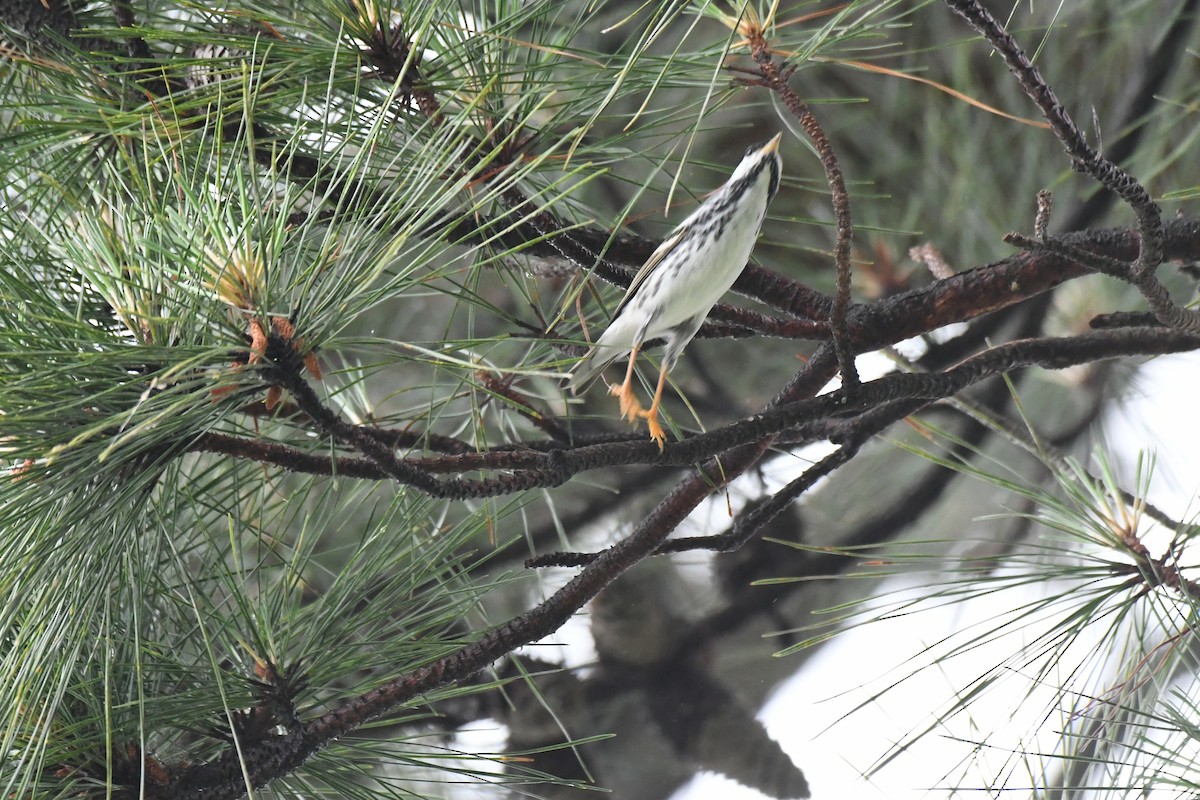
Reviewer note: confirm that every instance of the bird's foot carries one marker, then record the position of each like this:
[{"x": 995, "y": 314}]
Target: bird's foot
[{"x": 631, "y": 409}]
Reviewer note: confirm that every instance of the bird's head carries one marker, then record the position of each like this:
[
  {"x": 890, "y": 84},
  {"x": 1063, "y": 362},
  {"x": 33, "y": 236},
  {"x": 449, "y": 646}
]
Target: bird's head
[{"x": 761, "y": 159}]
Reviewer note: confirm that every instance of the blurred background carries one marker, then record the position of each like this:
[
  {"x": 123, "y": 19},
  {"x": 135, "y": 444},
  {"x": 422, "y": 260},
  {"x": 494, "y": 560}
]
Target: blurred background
[{"x": 928, "y": 621}]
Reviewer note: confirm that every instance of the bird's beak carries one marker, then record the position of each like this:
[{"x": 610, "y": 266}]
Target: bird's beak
[{"x": 773, "y": 145}]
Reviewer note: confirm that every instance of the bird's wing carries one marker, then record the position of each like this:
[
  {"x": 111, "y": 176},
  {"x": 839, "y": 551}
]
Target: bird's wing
[{"x": 652, "y": 262}]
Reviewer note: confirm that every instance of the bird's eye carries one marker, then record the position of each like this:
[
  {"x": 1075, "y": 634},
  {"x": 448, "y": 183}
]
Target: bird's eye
[{"x": 751, "y": 150}]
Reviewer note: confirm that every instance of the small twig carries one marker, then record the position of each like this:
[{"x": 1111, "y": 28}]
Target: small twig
[
  {"x": 776, "y": 81},
  {"x": 933, "y": 260},
  {"x": 1099, "y": 262},
  {"x": 502, "y": 387},
  {"x": 394, "y": 58},
  {"x": 1041, "y": 222}
]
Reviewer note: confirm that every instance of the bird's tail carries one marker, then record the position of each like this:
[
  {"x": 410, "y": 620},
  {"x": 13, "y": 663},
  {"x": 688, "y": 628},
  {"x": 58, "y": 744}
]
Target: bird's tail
[{"x": 591, "y": 365}]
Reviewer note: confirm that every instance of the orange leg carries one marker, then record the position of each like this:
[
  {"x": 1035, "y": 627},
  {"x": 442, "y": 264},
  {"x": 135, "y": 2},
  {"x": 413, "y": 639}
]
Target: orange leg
[
  {"x": 631, "y": 409},
  {"x": 656, "y": 431}
]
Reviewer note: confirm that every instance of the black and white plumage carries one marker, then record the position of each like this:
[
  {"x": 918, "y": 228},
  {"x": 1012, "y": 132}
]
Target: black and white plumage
[{"x": 682, "y": 280}]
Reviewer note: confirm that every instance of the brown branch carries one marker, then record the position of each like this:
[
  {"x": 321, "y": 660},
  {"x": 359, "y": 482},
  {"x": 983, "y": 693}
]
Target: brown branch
[
  {"x": 286, "y": 370},
  {"x": 992, "y": 287}
]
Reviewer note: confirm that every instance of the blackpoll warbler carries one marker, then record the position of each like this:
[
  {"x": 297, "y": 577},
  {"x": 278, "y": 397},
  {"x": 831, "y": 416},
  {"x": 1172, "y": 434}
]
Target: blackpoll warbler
[{"x": 681, "y": 281}]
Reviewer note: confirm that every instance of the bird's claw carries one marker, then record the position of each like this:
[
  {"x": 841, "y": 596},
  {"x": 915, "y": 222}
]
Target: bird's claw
[{"x": 656, "y": 431}]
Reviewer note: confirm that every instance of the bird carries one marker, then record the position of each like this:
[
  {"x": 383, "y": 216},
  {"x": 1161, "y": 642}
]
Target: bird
[{"x": 672, "y": 293}]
